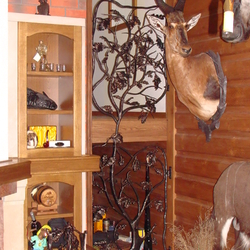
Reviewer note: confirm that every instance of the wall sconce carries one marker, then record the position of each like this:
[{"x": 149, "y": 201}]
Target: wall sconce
[{"x": 228, "y": 22}]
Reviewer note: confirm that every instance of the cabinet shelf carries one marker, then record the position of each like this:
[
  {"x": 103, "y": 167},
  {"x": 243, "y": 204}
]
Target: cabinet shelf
[
  {"x": 49, "y": 74},
  {"x": 49, "y": 112},
  {"x": 61, "y": 213}
]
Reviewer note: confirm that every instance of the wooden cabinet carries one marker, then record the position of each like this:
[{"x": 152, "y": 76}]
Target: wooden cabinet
[
  {"x": 64, "y": 46},
  {"x": 62, "y": 167}
]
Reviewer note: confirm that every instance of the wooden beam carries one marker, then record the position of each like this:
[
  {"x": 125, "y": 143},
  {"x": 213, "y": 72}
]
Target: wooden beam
[
  {"x": 131, "y": 128},
  {"x": 14, "y": 170}
]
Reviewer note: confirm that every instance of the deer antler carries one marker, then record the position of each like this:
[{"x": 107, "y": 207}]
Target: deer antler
[
  {"x": 180, "y": 5},
  {"x": 165, "y": 8}
]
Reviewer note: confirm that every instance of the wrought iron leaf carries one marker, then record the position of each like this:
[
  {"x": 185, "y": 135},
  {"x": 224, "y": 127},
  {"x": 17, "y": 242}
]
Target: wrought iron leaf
[
  {"x": 134, "y": 21},
  {"x": 150, "y": 103},
  {"x": 121, "y": 160},
  {"x": 157, "y": 81},
  {"x": 126, "y": 202},
  {"x": 104, "y": 160},
  {"x": 98, "y": 47},
  {"x": 150, "y": 73},
  {"x": 160, "y": 44},
  {"x": 95, "y": 184},
  {"x": 108, "y": 109},
  {"x": 116, "y": 17},
  {"x": 150, "y": 159},
  {"x": 143, "y": 116},
  {"x": 159, "y": 206},
  {"x": 120, "y": 81},
  {"x": 102, "y": 23},
  {"x": 136, "y": 165},
  {"x": 117, "y": 138},
  {"x": 132, "y": 103},
  {"x": 100, "y": 191},
  {"x": 154, "y": 241},
  {"x": 145, "y": 185},
  {"x": 117, "y": 97},
  {"x": 158, "y": 171},
  {"x": 121, "y": 226},
  {"x": 126, "y": 47}
]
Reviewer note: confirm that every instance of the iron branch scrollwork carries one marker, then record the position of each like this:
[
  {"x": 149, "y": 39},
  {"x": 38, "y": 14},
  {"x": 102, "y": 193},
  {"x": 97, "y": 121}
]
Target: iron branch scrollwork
[
  {"x": 130, "y": 65},
  {"x": 129, "y": 69},
  {"x": 126, "y": 188}
]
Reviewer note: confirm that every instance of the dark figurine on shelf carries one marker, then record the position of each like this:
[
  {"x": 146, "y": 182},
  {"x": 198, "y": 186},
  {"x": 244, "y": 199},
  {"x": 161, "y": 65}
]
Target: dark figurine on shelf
[{"x": 43, "y": 8}]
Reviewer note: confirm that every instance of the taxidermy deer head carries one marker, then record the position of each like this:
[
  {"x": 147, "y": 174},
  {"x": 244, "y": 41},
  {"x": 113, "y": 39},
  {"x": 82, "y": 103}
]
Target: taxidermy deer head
[{"x": 199, "y": 80}]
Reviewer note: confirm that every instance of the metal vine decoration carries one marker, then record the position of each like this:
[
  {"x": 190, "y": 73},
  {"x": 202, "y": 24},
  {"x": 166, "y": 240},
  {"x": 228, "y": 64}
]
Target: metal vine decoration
[
  {"x": 129, "y": 71},
  {"x": 118, "y": 180}
]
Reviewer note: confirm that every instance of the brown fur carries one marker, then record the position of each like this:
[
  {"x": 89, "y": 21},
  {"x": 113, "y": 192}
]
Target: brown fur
[
  {"x": 194, "y": 77},
  {"x": 231, "y": 202}
]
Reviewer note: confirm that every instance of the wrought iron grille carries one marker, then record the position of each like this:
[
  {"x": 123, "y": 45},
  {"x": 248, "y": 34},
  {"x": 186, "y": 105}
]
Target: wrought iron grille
[{"x": 129, "y": 71}]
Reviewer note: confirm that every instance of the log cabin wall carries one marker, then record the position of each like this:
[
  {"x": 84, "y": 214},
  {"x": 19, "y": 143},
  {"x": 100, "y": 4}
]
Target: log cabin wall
[{"x": 198, "y": 164}]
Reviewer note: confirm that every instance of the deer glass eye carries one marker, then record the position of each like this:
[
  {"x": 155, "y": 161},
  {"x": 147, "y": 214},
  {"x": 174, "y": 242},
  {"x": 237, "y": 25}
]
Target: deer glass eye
[{"x": 171, "y": 26}]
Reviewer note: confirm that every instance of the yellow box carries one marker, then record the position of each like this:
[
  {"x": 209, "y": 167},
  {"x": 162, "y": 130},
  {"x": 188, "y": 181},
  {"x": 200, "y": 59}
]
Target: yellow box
[{"x": 41, "y": 134}]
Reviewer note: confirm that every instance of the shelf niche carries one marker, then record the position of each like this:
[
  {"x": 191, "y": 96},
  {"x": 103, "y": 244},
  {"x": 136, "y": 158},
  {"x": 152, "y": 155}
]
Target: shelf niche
[{"x": 64, "y": 45}]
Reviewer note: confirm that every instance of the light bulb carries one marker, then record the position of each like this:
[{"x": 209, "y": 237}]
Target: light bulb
[{"x": 228, "y": 22}]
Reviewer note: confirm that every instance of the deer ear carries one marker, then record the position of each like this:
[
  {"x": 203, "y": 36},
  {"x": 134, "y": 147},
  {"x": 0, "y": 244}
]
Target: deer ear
[
  {"x": 193, "y": 21},
  {"x": 155, "y": 22}
]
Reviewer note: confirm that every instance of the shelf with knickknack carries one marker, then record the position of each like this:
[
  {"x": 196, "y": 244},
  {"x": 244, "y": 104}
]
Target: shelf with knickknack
[
  {"x": 53, "y": 198},
  {"x": 50, "y": 71}
]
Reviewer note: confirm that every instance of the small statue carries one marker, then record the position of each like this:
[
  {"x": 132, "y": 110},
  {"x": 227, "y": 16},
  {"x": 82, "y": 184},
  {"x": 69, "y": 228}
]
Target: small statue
[
  {"x": 43, "y": 8},
  {"x": 39, "y": 241}
]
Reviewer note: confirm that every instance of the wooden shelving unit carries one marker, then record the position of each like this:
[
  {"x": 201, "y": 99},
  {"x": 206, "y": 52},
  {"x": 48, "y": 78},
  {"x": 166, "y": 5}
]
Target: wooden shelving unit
[{"x": 59, "y": 167}]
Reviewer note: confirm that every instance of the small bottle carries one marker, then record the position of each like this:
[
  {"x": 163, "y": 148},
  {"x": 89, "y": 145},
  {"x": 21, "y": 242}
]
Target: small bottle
[
  {"x": 35, "y": 225},
  {"x": 228, "y": 21},
  {"x": 106, "y": 223}
]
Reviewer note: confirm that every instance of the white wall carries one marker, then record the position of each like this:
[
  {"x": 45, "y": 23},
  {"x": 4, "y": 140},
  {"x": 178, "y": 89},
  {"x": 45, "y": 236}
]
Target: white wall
[
  {"x": 101, "y": 94},
  {"x": 4, "y": 80}
]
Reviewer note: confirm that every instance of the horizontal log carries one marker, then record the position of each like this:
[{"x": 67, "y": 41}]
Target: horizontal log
[
  {"x": 194, "y": 189},
  {"x": 230, "y": 121},
  {"x": 205, "y": 166},
  {"x": 132, "y": 130},
  {"x": 206, "y": 8},
  {"x": 234, "y": 144},
  {"x": 192, "y": 210}
]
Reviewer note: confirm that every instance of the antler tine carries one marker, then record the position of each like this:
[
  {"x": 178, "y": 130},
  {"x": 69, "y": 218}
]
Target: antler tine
[
  {"x": 180, "y": 5},
  {"x": 165, "y": 8}
]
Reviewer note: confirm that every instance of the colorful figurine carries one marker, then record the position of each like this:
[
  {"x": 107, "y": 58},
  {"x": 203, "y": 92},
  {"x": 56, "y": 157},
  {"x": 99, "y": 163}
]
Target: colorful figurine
[{"x": 39, "y": 241}]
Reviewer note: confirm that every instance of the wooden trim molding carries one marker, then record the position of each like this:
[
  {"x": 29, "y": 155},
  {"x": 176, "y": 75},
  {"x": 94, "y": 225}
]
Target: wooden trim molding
[
  {"x": 14, "y": 170},
  {"x": 89, "y": 119},
  {"x": 85, "y": 163}
]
